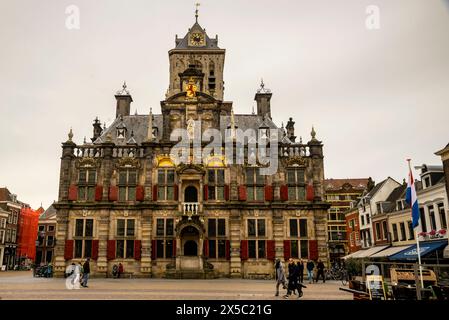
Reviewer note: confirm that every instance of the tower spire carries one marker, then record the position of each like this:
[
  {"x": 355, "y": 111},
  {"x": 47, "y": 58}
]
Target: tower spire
[{"x": 196, "y": 11}]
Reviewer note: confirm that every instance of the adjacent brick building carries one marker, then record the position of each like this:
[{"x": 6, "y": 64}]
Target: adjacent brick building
[{"x": 341, "y": 193}]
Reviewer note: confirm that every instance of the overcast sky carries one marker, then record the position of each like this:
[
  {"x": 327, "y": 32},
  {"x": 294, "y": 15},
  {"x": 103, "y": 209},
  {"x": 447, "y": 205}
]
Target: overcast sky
[{"x": 376, "y": 97}]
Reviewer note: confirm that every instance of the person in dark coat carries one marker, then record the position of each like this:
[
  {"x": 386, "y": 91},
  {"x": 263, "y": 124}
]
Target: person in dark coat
[
  {"x": 320, "y": 271},
  {"x": 280, "y": 276},
  {"x": 300, "y": 271},
  {"x": 120, "y": 269},
  {"x": 86, "y": 272},
  {"x": 292, "y": 278},
  {"x": 310, "y": 266}
]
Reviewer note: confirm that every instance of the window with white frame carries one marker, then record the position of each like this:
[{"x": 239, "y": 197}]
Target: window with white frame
[
  {"x": 433, "y": 223},
  {"x": 442, "y": 213}
]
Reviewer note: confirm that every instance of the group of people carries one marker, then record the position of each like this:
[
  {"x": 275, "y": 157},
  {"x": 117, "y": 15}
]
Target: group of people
[
  {"x": 78, "y": 274},
  {"x": 296, "y": 275}
]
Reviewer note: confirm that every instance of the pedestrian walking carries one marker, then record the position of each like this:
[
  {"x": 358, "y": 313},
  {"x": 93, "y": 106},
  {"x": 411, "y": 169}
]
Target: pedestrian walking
[
  {"x": 310, "y": 266},
  {"x": 300, "y": 271},
  {"x": 280, "y": 276},
  {"x": 120, "y": 270},
  {"x": 320, "y": 271},
  {"x": 76, "y": 275},
  {"x": 86, "y": 272},
  {"x": 292, "y": 278}
]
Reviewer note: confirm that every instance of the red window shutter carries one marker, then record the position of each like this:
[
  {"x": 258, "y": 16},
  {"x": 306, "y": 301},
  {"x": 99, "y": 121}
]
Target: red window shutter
[
  {"x": 226, "y": 192},
  {"x": 73, "y": 193},
  {"x": 206, "y": 192},
  {"x": 155, "y": 192},
  {"x": 313, "y": 249},
  {"x": 244, "y": 250},
  {"x": 286, "y": 249},
  {"x": 95, "y": 249},
  {"x": 176, "y": 192},
  {"x": 153, "y": 249},
  {"x": 111, "y": 250},
  {"x": 174, "y": 247},
  {"x": 310, "y": 193},
  {"x": 140, "y": 193},
  {"x": 137, "y": 249},
  {"x": 113, "y": 193},
  {"x": 68, "y": 250},
  {"x": 228, "y": 250},
  {"x": 268, "y": 193},
  {"x": 98, "y": 193},
  {"x": 206, "y": 248},
  {"x": 242, "y": 193},
  {"x": 271, "y": 253},
  {"x": 284, "y": 193}
]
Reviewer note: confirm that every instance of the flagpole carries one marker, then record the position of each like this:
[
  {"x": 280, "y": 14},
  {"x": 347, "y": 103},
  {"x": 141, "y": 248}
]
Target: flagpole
[{"x": 416, "y": 230}]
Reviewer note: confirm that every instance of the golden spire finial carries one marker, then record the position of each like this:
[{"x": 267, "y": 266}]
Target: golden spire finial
[{"x": 196, "y": 11}]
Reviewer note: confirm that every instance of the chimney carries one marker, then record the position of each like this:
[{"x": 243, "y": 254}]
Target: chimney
[
  {"x": 124, "y": 100},
  {"x": 263, "y": 97}
]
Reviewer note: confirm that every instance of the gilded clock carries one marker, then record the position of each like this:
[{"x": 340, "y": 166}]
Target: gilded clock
[{"x": 197, "y": 39}]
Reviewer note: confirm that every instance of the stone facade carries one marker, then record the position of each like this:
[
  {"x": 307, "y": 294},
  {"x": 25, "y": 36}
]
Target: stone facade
[{"x": 125, "y": 199}]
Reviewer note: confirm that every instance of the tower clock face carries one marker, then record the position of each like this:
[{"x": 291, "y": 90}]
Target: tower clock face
[{"x": 197, "y": 39}]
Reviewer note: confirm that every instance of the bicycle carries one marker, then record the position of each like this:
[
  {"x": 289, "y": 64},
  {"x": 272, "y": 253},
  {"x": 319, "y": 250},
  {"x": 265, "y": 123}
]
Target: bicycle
[{"x": 344, "y": 277}]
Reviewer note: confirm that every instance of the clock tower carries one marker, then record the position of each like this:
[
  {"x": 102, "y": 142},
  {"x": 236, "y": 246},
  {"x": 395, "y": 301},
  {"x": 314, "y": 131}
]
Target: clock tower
[{"x": 199, "y": 50}]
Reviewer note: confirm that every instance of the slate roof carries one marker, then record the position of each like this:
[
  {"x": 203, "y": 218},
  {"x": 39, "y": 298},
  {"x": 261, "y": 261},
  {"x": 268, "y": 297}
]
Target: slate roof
[
  {"x": 50, "y": 213},
  {"x": 184, "y": 42},
  {"x": 336, "y": 184},
  {"x": 395, "y": 195},
  {"x": 376, "y": 188},
  {"x": 138, "y": 125}
]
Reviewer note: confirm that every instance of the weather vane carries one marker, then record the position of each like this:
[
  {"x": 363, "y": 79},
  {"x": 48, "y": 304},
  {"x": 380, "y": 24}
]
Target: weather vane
[{"x": 196, "y": 11}]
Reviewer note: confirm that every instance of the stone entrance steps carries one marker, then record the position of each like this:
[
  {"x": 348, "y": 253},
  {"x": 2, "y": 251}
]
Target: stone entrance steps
[{"x": 190, "y": 274}]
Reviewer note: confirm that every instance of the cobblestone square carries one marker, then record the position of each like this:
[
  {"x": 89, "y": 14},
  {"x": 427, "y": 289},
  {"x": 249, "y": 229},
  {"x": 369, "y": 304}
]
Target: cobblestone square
[{"x": 18, "y": 285}]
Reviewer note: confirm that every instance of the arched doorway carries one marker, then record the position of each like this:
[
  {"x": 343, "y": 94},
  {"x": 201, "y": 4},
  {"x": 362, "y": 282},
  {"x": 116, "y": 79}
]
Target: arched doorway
[
  {"x": 190, "y": 248},
  {"x": 190, "y": 237},
  {"x": 190, "y": 194}
]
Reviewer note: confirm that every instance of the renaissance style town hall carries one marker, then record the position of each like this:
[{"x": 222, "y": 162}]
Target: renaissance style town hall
[{"x": 123, "y": 198}]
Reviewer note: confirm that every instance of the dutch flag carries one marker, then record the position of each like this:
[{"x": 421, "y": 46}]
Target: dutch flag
[{"x": 412, "y": 199}]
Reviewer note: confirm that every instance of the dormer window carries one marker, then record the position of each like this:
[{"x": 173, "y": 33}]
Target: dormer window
[
  {"x": 121, "y": 133},
  {"x": 427, "y": 182},
  {"x": 400, "y": 205},
  {"x": 263, "y": 133}
]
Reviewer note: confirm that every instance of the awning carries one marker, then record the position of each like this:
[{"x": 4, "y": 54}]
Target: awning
[
  {"x": 365, "y": 252},
  {"x": 426, "y": 247},
  {"x": 389, "y": 252}
]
